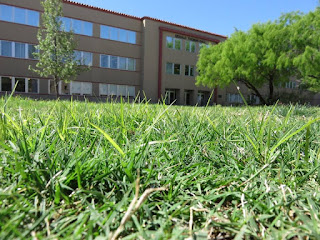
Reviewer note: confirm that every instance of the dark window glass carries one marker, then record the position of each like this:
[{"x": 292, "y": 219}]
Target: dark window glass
[
  {"x": 20, "y": 15},
  {"x": 177, "y": 44},
  {"x": 104, "y": 61},
  {"x": 66, "y": 24},
  {"x": 176, "y": 69},
  {"x": 193, "y": 47},
  {"x": 6, "y": 13},
  {"x": 21, "y": 85},
  {"x": 33, "y": 85},
  {"x": 20, "y": 50},
  {"x": 104, "y": 32},
  {"x": 123, "y": 63},
  {"x": 31, "y": 50},
  {"x": 6, "y": 84},
  {"x": 6, "y": 48},
  {"x": 113, "y": 62},
  {"x": 87, "y": 28},
  {"x": 113, "y": 33},
  {"x": 131, "y": 64},
  {"x": 186, "y": 70},
  {"x": 169, "y": 68},
  {"x": 77, "y": 57},
  {"x": 122, "y": 35},
  {"x": 191, "y": 71},
  {"x": 87, "y": 58},
  {"x": 132, "y": 37},
  {"x": 77, "y": 26},
  {"x": 169, "y": 42},
  {"x": 33, "y": 18}
]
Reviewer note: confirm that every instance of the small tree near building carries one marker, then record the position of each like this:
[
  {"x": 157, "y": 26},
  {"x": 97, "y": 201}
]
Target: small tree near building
[{"x": 55, "y": 50}]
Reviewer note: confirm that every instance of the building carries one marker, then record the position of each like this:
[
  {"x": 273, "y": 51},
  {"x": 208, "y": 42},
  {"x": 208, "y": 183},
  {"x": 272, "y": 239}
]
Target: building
[{"x": 129, "y": 56}]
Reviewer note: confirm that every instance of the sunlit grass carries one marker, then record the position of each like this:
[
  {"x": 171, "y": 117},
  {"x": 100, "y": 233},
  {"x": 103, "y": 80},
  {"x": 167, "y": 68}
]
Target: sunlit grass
[{"x": 68, "y": 170}]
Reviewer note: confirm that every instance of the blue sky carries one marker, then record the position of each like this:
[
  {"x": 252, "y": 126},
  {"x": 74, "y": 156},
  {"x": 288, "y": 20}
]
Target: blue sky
[{"x": 218, "y": 16}]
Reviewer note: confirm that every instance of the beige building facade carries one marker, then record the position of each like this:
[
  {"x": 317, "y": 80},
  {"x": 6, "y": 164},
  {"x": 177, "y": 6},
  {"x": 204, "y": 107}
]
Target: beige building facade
[{"x": 129, "y": 56}]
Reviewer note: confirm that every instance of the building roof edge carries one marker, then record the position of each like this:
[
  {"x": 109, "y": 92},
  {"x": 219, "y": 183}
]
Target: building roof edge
[
  {"x": 140, "y": 19},
  {"x": 100, "y": 9},
  {"x": 183, "y": 26}
]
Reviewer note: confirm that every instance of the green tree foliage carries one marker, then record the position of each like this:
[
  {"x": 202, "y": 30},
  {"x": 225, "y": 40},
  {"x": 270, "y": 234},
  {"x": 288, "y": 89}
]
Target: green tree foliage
[
  {"x": 255, "y": 58},
  {"x": 56, "y": 48},
  {"x": 305, "y": 42}
]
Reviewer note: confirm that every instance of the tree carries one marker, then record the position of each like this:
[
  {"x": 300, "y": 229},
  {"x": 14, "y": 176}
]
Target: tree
[
  {"x": 255, "y": 58},
  {"x": 56, "y": 47},
  {"x": 305, "y": 52}
]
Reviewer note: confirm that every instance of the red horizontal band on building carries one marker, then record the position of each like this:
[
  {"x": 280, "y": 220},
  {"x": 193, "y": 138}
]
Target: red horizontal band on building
[{"x": 188, "y": 34}]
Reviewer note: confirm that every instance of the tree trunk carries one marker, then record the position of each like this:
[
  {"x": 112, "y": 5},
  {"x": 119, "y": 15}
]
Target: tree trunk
[
  {"x": 56, "y": 84},
  {"x": 253, "y": 88},
  {"x": 271, "y": 90}
]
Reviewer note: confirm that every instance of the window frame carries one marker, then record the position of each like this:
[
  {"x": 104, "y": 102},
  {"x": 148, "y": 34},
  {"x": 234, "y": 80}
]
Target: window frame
[
  {"x": 189, "y": 70},
  {"x": 117, "y": 86},
  {"x": 189, "y": 44},
  {"x": 81, "y": 87},
  {"x": 13, "y": 50},
  {"x": 81, "y": 24},
  {"x": 127, "y": 63},
  {"x": 174, "y": 43},
  {"x": 26, "y": 84},
  {"x": 106, "y": 32},
  {"x": 173, "y": 65},
  {"x": 25, "y": 19}
]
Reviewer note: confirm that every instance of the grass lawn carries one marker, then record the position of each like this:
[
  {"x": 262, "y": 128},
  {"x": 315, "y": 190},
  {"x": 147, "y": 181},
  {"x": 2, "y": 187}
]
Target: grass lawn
[{"x": 77, "y": 170}]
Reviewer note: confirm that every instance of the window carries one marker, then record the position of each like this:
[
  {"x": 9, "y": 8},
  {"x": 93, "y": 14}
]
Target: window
[
  {"x": 190, "y": 46},
  {"x": 291, "y": 85},
  {"x": 122, "y": 63},
  {"x": 113, "y": 90},
  {"x": 176, "y": 69},
  {"x": 187, "y": 97},
  {"x": 170, "y": 96},
  {"x": 254, "y": 99},
  {"x": 6, "y": 48},
  {"x": 32, "y": 18},
  {"x": 6, "y": 13},
  {"x": 234, "y": 98},
  {"x": 83, "y": 58},
  {"x": 31, "y": 49},
  {"x": 173, "y": 68},
  {"x": 201, "y": 99},
  {"x": 24, "y": 85},
  {"x": 20, "y": 50},
  {"x": 117, "y": 34},
  {"x": 115, "y": 62},
  {"x": 33, "y": 85},
  {"x": 116, "y": 90},
  {"x": 6, "y": 84},
  {"x": 203, "y": 45},
  {"x": 80, "y": 88},
  {"x": 104, "y": 61},
  {"x": 173, "y": 43},
  {"x": 77, "y": 26},
  {"x": 21, "y": 85},
  {"x": 131, "y": 64},
  {"x": 189, "y": 70},
  {"x": 19, "y": 15},
  {"x": 114, "y": 33}
]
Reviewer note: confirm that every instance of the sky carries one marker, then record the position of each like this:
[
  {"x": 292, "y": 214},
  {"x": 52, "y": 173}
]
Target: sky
[{"x": 217, "y": 16}]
